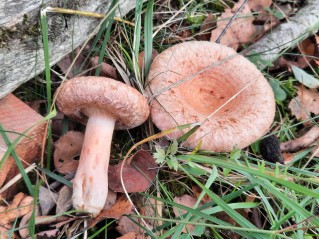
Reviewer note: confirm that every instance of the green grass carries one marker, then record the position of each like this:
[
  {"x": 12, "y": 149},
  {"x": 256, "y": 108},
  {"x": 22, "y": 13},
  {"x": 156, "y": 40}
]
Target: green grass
[{"x": 286, "y": 198}]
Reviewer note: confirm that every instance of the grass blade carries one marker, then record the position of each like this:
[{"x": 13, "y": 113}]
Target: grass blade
[{"x": 17, "y": 161}]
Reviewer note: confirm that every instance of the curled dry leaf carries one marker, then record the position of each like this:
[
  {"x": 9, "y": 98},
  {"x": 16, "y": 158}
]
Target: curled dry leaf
[
  {"x": 240, "y": 31},
  {"x": 141, "y": 170},
  {"x": 20, "y": 206},
  {"x": 121, "y": 207},
  {"x": 302, "y": 142},
  {"x": 305, "y": 103},
  {"x": 67, "y": 148},
  {"x": 47, "y": 200},
  {"x": 64, "y": 200}
]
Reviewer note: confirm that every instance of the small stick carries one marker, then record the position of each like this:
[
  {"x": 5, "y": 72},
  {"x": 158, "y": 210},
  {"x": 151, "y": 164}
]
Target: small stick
[
  {"x": 230, "y": 22},
  {"x": 83, "y": 13}
]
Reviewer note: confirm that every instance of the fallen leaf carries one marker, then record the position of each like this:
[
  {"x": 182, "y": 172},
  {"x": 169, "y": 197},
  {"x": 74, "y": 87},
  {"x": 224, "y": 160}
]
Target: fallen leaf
[
  {"x": 240, "y": 31},
  {"x": 110, "y": 200},
  {"x": 126, "y": 225},
  {"x": 121, "y": 207},
  {"x": 130, "y": 235},
  {"x": 50, "y": 234},
  {"x": 67, "y": 148},
  {"x": 288, "y": 157},
  {"x": 315, "y": 150},
  {"x": 302, "y": 142},
  {"x": 47, "y": 200},
  {"x": 106, "y": 70},
  {"x": 187, "y": 201},
  {"x": 206, "y": 28},
  {"x": 259, "y": 5},
  {"x": 305, "y": 103},
  {"x": 305, "y": 78},
  {"x": 197, "y": 191},
  {"x": 67, "y": 61},
  {"x": 309, "y": 52},
  {"x": 20, "y": 206},
  {"x": 141, "y": 59},
  {"x": 141, "y": 170},
  {"x": 64, "y": 200}
]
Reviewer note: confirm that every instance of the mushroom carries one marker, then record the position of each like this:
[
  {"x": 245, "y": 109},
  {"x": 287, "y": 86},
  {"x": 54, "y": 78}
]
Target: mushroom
[
  {"x": 107, "y": 104},
  {"x": 208, "y": 83}
]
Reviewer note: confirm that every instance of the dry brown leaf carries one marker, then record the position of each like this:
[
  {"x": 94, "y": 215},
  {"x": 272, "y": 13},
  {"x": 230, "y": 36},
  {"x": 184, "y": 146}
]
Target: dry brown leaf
[
  {"x": 240, "y": 31},
  {"x": 288, "y": 157},
  {"x": 47, "y": 200},
  {"x": 64, "y": 201},
  {"x": 106, "y": 70},
  {"x": 197, "y": 191},
  {"x": 187, "y": 201},
  {"x": 141, "y": 58},
  {"x": 126, "y": 225},
  {"x": 67, "y": 148},
  {"x": 39, "y": 220},
  {"x": 308, "y": 53},
  {"x": 130, "y": 235},
  {"x": 206, "y": 28},
  {"x": 305, "y": 103},
  {"x": 141, "y": 170},
  {"x": 110, "y": 200},
  {"x": 259, "y": 5},
  {"x": 20, "y": 206},
  {"x": 66, "y": 62},
  {"x": 121, "y": 207},
  {"x": 315, "y": 150},
  {"x": 302, "y": 142},
  {"x": 317, "y": 46}
]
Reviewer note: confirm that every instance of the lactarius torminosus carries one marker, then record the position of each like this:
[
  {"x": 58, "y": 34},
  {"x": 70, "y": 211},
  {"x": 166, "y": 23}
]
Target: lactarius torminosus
[
  {"x": 211, "y": 84},
  {"x": 107, "y": 104}
]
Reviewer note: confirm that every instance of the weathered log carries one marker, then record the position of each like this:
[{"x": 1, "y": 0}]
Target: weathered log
[
  {"x": 16, "y": 117},
  {"x": 21, "y": 51},
  {"x": 286, "y": 36}
]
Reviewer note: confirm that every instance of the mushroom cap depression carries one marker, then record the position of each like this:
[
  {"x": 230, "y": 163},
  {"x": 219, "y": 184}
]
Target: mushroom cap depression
[
  {"x": 103, "y": 96},
  {"x": 191, "y": 81}
]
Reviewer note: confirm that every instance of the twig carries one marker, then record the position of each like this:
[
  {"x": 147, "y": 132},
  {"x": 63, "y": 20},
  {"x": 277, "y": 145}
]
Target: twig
[{"x": 230, "y": 22}]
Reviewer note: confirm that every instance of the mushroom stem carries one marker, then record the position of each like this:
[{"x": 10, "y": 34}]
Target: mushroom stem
[{"x": 90, "y": 185}]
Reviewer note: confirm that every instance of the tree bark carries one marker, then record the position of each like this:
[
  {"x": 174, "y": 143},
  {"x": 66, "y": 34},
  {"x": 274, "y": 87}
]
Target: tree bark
[
  {"x": 285, "y": 36},
  {"x": 21, "y": 49}
]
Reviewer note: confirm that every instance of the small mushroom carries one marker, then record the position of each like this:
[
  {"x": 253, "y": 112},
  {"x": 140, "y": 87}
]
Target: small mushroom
[
  {"x": 107, "y": 104},
  {"x": 208, "y": 83}
]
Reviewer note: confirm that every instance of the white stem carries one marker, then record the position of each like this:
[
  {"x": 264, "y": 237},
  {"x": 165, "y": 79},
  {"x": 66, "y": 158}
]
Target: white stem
[{"x": 90, "y": 185}]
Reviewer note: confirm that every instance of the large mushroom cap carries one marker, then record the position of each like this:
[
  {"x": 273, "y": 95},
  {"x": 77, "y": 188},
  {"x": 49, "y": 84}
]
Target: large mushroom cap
[
  {"x": 192, "y": 80},
  {"x": 105, "y": 95}
]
